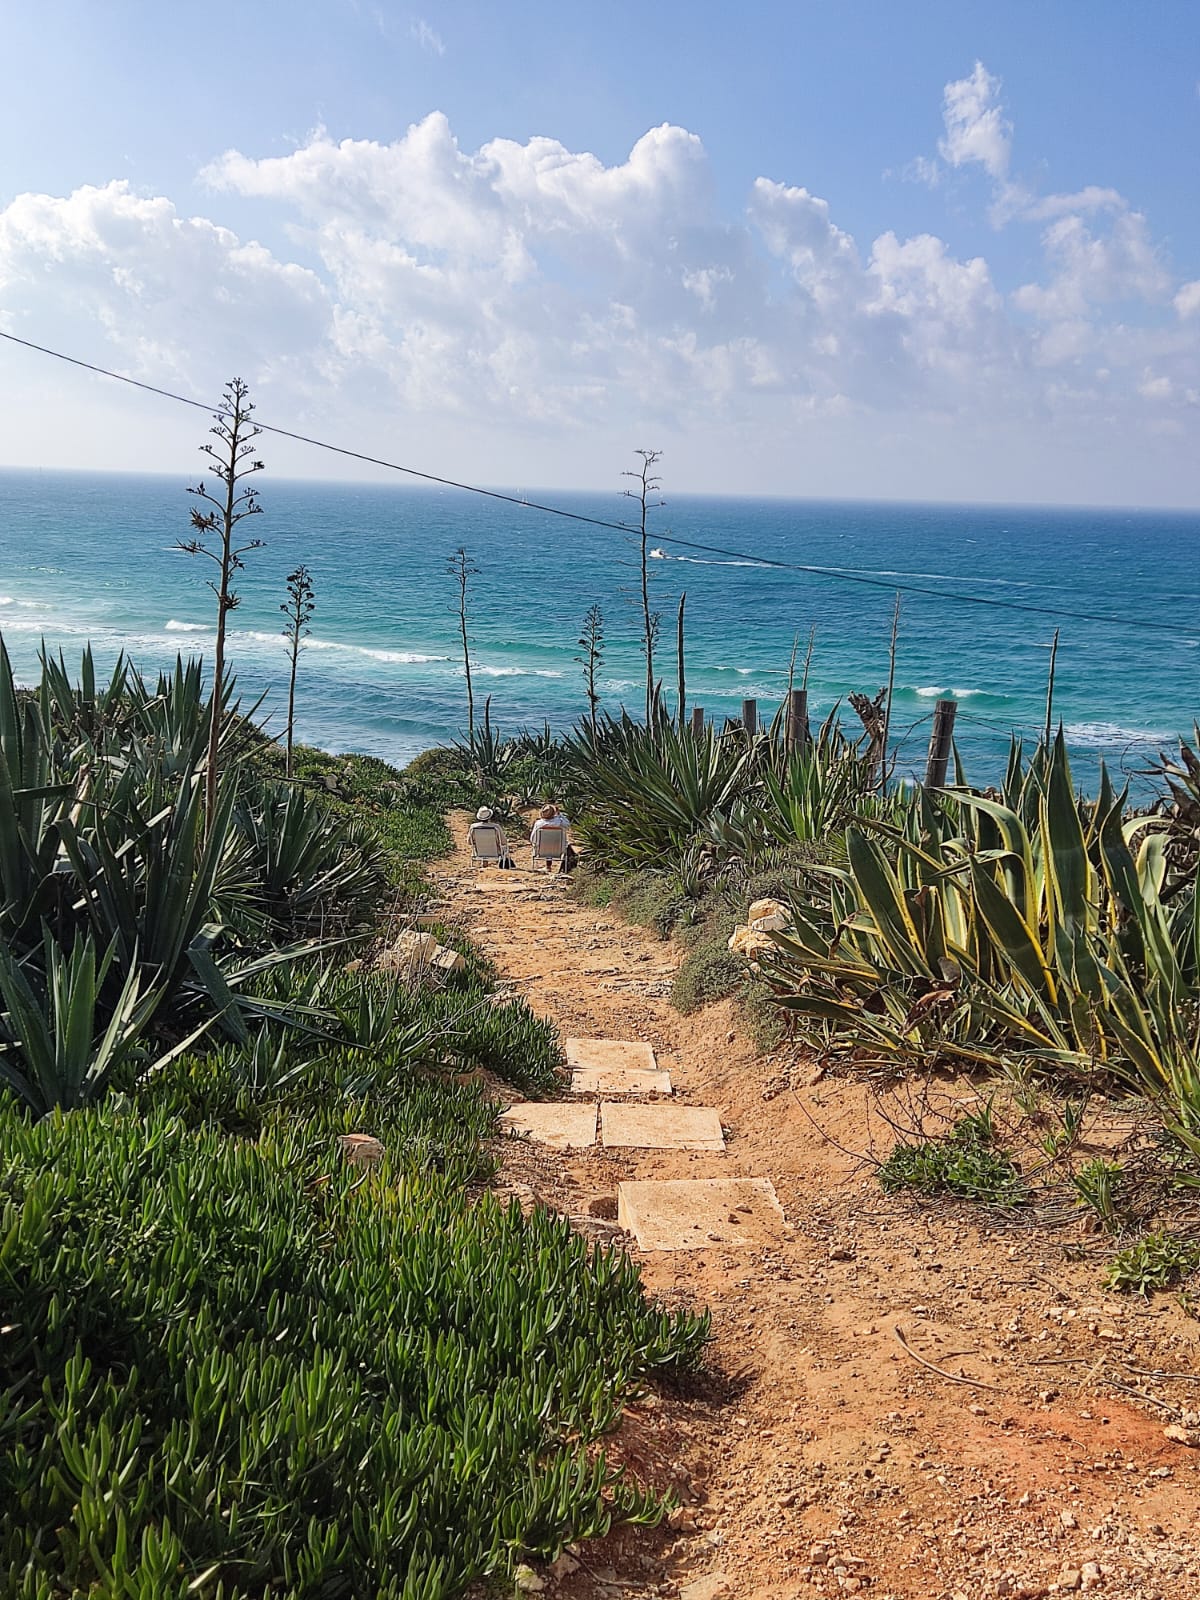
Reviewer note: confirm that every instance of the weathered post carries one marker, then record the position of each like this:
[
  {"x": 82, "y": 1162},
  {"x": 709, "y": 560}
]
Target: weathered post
[
  {"x": 796, "y": 725},
  {"x": 941, "y": 742},
  {"x": 697, "y": 720},
  {"x": 750, "y": 716}
]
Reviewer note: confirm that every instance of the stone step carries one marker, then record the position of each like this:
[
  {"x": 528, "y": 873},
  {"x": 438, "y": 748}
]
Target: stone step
[
  {"x": 659, "y": 1127},
  {"x": 614, "y": 1066},
  {"x": 559, "y": 1124},
  {"x": 700, "y": 1213}
]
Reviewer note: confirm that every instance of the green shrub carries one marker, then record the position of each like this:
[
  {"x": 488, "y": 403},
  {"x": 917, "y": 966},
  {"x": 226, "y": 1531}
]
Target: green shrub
[
  {"x": 1098, "y": 1185},
  {"x": 710, "y": 971},
  {"x": 967, "y": 1165},
  {"x": 649, "y": 899},
  {"x": 1155, "y": 1262}
]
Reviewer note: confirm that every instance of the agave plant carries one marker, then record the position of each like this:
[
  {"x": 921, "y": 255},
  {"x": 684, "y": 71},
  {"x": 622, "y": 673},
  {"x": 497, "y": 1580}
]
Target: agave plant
[
  {"x": 649, "y": 793},
  {"x": 983, "y": 930},
  {"x": 57, "y": 1047},
  {"x": 119, "y": 904}
]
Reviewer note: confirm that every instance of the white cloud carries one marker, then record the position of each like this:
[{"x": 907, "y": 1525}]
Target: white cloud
[
  {"x": 529, "y": 298},
  {"x": 1154, "y": 386},
  {"x": 427, "y": 38},
  {"x": 976, "y": 128},
  {"x": 169, "y": 290},
  {"x": 1090, "y": 270}
]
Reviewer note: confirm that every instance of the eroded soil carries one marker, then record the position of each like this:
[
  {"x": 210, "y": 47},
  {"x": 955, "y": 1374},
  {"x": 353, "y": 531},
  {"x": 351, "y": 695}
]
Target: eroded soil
[{"x": 819, "y": 1456}]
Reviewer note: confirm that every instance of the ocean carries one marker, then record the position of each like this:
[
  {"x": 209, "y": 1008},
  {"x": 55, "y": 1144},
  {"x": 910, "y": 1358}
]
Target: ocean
[{"x": 92, "y": 557}]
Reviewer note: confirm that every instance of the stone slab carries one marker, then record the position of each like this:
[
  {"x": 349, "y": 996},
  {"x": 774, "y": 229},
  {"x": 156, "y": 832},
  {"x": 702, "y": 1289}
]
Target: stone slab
[
  {"x": 561, "y": 1124},
  {"x": 614, "y": 1066},
  {"x": 619, "y": 1080},
  {"x": 659, "y": 1127},
  {"x": 698, "y": 1213},
  {"x": 609, "y": 1053}
]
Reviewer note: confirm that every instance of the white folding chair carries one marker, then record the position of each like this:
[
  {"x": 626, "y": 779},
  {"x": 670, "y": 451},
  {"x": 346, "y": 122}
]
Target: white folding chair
[
  {"x": 548, "y": 844},
  {"x": 487, "y": 845}
]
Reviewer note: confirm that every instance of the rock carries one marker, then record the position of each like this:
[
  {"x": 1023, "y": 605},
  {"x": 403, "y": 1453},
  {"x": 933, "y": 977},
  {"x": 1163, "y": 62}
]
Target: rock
[
  {"x": 1068, "y": 1519},
  {"x": 361, "y": 1149},
  {"x": 681, "y": 1520},
  {"x": 410, "y": 955},
  {"x": 842, "y": 1252},
  {"x": 769, "y": 915},
  {"x": 527, "y": 1581},
  {"x": 417, "y": 954},
  {"x": 564, "y": 1566},
  {"x": 711, "y": 1587},
  {"x": 1069, "y": 1578},
  {"x": 745, "y": 941},
  {"x": 1090, "y": 1575},
  {"x": 1181, "y": 1435},
  {"x": 447, "y": 961}
]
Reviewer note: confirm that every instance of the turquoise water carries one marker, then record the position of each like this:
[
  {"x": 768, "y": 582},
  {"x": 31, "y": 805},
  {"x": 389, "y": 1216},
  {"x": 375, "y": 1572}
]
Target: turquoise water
[{"x": 91, "y": 556}]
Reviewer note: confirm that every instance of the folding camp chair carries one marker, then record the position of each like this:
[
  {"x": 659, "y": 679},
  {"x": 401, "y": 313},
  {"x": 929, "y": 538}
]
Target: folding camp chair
[
  {"x": 548, "y": 844},
  {"x": 487, "y": 845}
]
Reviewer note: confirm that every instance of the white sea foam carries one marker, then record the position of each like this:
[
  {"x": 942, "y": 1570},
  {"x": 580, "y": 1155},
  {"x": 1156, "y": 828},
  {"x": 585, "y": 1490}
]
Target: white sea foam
[
  {"x": 930, "y": 691},
  {"x": 7, "y": 600},
  {"x": 501, "y": 672},
  {"x": 701, "y": 561},
  {"x": 1111, "y": 736},
  {"x": 403, "y": 657},
  {"x": 546, "y": 672},
  {"x": 187, "y": 627},
  {"x": 394, "y": 657}
]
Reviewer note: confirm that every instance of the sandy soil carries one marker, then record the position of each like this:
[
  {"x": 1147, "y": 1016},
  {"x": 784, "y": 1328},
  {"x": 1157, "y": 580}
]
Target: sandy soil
[{"x": 818, "y": 1456}]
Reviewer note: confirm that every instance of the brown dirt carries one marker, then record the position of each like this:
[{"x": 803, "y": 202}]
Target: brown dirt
[{"x": 817, "y": 1456}]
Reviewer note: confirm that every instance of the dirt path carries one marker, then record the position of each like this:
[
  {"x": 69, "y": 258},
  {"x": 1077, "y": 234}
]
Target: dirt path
[{"x": 822, "y": 1457}]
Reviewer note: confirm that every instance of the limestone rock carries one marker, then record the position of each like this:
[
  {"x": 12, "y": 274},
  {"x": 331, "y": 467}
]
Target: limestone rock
[
  {"x": 361, "y": 1149},
  {"x": 410, "y": 955},
  {"x": 447, "y": 961},
  {"x": 768, "y": 914},
  {"x": 417, "y": 955},
  {"x": 749, "y": 942}
]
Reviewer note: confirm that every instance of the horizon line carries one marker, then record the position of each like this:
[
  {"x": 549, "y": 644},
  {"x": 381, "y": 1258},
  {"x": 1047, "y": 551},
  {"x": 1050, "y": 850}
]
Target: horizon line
[{"x": 518, "y": 492}]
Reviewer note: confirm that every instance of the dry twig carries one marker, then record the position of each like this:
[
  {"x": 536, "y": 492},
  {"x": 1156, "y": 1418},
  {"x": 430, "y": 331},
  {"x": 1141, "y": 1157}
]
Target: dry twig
[{"x": 952, "y": 1377}]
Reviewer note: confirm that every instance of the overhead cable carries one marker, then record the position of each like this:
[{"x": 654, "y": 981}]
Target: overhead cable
[{"x": 837, "y": 574}]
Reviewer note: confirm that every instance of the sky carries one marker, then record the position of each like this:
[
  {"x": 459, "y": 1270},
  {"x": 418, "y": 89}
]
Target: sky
[{"x": 855, "y": 249}]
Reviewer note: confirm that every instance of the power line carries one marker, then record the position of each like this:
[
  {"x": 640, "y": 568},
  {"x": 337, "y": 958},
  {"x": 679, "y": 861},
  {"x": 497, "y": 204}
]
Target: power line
[
  {"x": 320, "y": 444},
  {"x": 838, "y": 574}
]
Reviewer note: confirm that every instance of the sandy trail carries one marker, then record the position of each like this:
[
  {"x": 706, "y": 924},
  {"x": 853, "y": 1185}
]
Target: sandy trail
[{"x": 820, "y": 1457}]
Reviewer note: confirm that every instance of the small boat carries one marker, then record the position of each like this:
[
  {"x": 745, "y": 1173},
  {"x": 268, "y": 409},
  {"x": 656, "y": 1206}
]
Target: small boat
[{"x": 659, "y": 554}]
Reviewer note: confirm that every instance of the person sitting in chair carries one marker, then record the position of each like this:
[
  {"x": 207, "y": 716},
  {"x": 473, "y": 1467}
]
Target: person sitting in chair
[
  {"x": 487, "y": 839},
  {"x": 549, "y": 817}
]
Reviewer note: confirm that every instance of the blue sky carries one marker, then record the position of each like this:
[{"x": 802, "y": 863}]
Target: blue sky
[{"x": 922, "y": 250}]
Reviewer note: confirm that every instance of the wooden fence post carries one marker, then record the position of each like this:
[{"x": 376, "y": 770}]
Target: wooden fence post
[
  {"x": 796, "y": 724},
  {"x": 941, "y": 742},
  {"x": 697, "y": 720},
  {"x": 750, "y": 716}
]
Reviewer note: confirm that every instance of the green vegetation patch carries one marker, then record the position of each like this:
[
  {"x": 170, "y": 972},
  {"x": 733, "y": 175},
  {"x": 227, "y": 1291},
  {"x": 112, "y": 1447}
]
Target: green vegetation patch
[
  {"x": 1158, "y": 1261},
  {"x": 243, "y": 1366},
  {"x": 967, "y": 1166}
]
